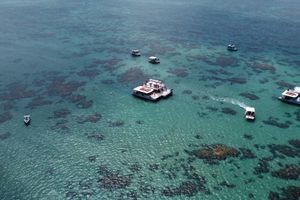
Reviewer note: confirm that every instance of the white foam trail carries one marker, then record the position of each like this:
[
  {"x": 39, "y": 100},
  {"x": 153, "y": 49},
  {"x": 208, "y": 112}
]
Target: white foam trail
[{"x": 230, "y": 100}]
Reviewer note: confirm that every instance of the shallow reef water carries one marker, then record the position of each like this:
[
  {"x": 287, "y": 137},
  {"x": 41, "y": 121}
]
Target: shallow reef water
[{"x": 68, "y": 64}]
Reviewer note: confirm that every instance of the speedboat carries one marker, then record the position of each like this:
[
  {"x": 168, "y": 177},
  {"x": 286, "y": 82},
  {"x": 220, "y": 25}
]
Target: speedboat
[
  {"x": 135, "y": 52},
  {"x": 27, "y": 120},
  {"x": 152, "y": 90},
  {"x": 250, "y": 113},
  {"x": 154, "y": 60},
  {"x": 291, "y": 96},
  {"x": 231, "y": 47}
]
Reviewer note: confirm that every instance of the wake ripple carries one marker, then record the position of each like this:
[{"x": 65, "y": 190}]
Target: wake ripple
[{"x": 230, "y": 100}]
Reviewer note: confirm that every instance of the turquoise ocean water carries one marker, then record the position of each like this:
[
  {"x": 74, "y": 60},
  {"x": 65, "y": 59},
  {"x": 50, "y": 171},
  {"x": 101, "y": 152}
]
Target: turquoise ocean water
[{"x": 68, "y": 64}]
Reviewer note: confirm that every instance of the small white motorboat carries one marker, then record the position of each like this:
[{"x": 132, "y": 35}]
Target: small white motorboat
[
  {"x": 135, "y": 52},
  {"x": 153, "y": 60},
  {"x": 250, "y": 113},
  {"x": 231, "y": 47},
  {"x": 27, "y": 120}
]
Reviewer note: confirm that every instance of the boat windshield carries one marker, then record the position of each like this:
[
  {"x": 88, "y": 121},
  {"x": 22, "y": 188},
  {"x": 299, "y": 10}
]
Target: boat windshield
[{"x": 250, "y": 113}]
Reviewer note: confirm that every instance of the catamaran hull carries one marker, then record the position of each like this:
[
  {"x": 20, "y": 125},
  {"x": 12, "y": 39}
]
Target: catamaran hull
[
  {"x": 294, "y": 102},
  {"x": 145, "y": 97},
  {"x": 149, "y": 98}
]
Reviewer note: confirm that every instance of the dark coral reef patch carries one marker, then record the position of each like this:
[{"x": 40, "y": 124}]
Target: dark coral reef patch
[
  {"x": 249, "y": 95},
  {"x": 291, "y": 171},
  {"x": 219, "y": 71},
  {"x": 61, "y": 113},
  {"x": 246, "y": 154},
  {"x": 38, "y": 101},
  {"x": 82, "y": 189},
  {"x": 108, "y": 81},
  {"x": 112, "y": 180},
  {"x": 80, "y": 101},
  {"x": 248, "y": 136},
  {"x": 297, "y": 114},
  {"x": 295, "y": 143},
  {"x": 237, "y": 80},
  {"x": 4, "y": 136},
  {"x": 90, "y": 118},
  {"x": 92, "y": 158},
  {"x": 159, "y": 49},
  {"x": 8, "y": 105},
  {"x": 216, "y": 152},
  {"x": 228, "y": 111},
  {"x": 195, "y": 97},
  {"x": 90, "y": 73},
  {"x": 186, "y": 188},
  {"x": 135, "y": 167},
  {"x": 6, "y": 116},
  {"x": 231, "y": 80},
  {"x": 188, "y": 92},
  {"x": 283, "y": 84},
  {"x": 15, "y": 91},
  {"x": 111, "y": 65},
  {"x": 140, "y": 122},
  {"x": 261, "y": 67},
  {"x": 179, "y": 72},
  {"x": 96, "y": 136},
  {"x": 226, "y": 184},
  {"x": 108, "y": 65},
  {"x": 222, "y": 61},
  {"x": 262, "y": 167},
  {"x": 61, "y": 126},
  {"x": 280, "y": 149},
  {"x": 195, "y": 183},
  {"x": 289, "y": 193},
  {"x": 133, "y": 75},
  {"x": 117, "y": 123},
  {"x": 275, "y": 122},
  {"x": 58, "y": 87}
]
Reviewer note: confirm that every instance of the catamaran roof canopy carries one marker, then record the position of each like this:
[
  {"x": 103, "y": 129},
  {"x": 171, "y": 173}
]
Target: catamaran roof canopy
[
  {"x": 290, "y": 93},
  {"x": 143, "y": 89}
]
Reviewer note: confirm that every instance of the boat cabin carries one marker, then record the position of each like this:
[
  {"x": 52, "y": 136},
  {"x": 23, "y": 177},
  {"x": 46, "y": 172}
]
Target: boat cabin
[
  {"x": 153, "y": 60},
  {"x": 231, "y": 47},
  {"x": 135, "y": 52},
  {"x": 250, "y": 113}
]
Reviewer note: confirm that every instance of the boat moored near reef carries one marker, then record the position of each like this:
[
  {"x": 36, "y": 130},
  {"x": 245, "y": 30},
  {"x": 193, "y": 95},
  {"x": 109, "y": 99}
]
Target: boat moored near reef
[
  {"x": 231, "y": 47},
  {"x": 135, "y": 52},
  {"x": 291, "y": 96},
  {"x": 152, "y": 90},
  {"x": 153, "y": 60},
  {"x": 27, "y": 120}
]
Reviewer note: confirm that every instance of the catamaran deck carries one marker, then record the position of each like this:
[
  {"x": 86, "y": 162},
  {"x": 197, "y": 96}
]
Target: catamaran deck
[
  {"x": 290, "y": 93},
  {"x": 144, "y": 89}
]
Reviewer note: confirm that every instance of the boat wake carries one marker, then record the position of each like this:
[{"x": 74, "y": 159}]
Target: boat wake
[{"x": 230, "y": 100}]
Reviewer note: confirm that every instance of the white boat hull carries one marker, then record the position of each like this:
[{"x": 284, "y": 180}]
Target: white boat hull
[{"x": 153, "y": 97}]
